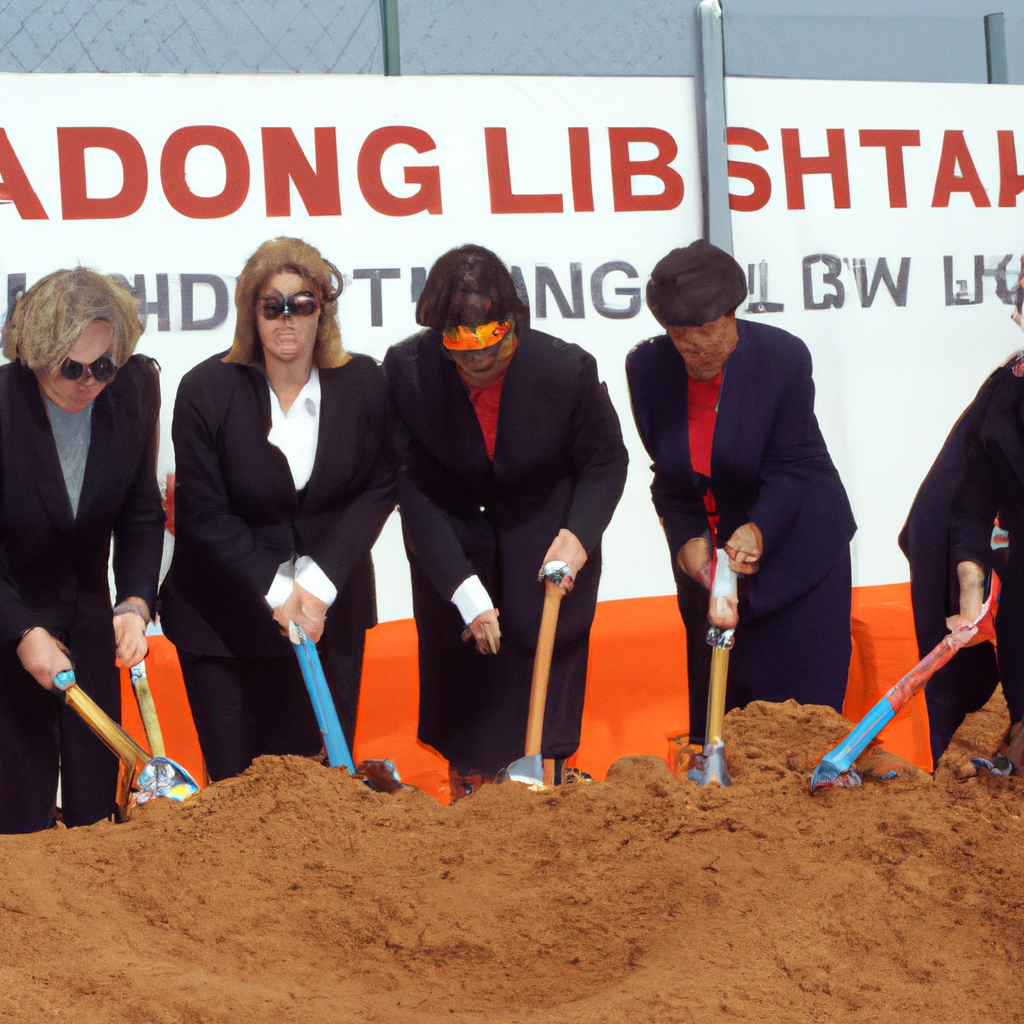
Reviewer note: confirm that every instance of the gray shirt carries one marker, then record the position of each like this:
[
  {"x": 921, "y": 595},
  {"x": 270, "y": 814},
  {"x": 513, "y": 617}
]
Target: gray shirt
[{"x": 72, "y": 432}]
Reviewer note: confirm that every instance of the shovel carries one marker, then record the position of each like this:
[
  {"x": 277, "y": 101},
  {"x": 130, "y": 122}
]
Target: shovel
[
  {"x": 338, "y": 754},
  {"x": 147, "y": 709},
  {"x": 151, "y": 776},
  {"x": 836, "y": 767},
  {"x": 379, "y": 774},
  {"x": 709, "y": 766},
  {"x": 529, "y": 769}
]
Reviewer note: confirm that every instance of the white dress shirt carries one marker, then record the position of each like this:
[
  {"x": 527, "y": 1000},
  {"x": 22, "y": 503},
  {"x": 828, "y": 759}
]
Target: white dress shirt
[
  {"x": 472, "y": 599},
  {"x": 295, "y": 432}
]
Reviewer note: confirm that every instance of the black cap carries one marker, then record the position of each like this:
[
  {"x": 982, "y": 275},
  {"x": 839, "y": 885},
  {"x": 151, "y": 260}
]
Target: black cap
[{"x": 695, "y": 285}]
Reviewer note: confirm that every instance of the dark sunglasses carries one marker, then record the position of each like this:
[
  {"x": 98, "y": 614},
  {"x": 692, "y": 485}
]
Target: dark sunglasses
[
  {"x": 101, "y": 370},
  {"x": 296, "y": 304}
]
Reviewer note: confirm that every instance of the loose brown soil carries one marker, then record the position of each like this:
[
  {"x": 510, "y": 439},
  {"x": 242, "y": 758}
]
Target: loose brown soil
[{"x": 294, "y": 893}]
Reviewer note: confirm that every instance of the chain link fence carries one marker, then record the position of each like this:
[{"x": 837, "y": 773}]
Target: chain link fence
[
  {"x": 919, "y": 40},
  {"x": 192, "y": 36}
]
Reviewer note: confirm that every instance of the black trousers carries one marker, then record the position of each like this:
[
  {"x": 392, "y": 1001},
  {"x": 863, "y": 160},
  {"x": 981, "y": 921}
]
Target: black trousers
[
  {"x": 246, "y": 707},
  {"x": 965, "y": 684},
  {"x": 474, "y": 707},
  {"x": 40, "y": 736}
]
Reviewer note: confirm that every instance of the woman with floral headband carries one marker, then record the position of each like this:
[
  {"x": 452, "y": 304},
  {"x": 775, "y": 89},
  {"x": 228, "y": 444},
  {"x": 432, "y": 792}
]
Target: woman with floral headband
[
  {"x": 285, "y": 476},
  {"x": 949, "y": 541},
  {"x": 511, "y": 457}
]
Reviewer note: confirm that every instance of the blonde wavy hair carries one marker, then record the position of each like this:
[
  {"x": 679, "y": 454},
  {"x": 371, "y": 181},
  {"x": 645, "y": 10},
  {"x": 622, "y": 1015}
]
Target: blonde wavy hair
[
  {"x": 294, "y": 256},
  {"x": 49, "y": 317}
]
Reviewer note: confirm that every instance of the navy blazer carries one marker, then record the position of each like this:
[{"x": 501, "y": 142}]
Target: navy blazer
[
  {"x": 238, "y": 515},
  {"x": 769, "y": 462},
  {"x": 558, "y": 446},
  {"x": 54, "y": 569}
]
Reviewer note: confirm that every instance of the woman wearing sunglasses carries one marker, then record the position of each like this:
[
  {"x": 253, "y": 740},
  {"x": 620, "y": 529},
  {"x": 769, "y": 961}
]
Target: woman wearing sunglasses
[
  {"x": 952, "y": 548},
  {"x": 511, "y": 457},
  {"x": 285, "y": 476},
  {"x": 78, "y": 445}
]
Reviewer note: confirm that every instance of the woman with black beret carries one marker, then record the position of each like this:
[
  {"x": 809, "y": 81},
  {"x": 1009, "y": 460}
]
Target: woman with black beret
[{"x": 725, "y": 408}]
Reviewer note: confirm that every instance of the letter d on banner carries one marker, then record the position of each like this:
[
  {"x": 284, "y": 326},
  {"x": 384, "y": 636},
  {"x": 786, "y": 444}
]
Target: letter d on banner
[{"x": 75, "y": 202}]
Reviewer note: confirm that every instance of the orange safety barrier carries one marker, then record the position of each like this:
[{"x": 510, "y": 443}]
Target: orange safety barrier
[
  {"x": 636, "y": 682},
  {"x": 389, "y": 707},
  {"x": 884, "y": 651},
  {"x": 636, "y": 688},
  {"x": 172, "y": 708}
]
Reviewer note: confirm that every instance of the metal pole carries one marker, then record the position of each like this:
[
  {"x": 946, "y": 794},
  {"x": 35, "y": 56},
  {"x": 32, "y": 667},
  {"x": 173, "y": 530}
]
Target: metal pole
[
  {"x": 389, "y": 37},
  {"x": 995, "y": 49},
  {"x": 714, "y": 155}
]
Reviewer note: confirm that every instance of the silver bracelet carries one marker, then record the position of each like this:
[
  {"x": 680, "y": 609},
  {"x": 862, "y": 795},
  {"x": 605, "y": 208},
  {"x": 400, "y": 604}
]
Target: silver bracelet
[{"x": 130, "y": 606}]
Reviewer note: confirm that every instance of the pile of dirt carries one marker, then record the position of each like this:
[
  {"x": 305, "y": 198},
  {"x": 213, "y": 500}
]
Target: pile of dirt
[{"x": 294, "y": 893}]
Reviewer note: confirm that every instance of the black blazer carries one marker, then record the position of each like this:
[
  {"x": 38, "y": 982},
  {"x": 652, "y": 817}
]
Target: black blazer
[
  {"x": 558, "y": 441},
  {"x": 992, "y": 482},
  {"x": 238, "y": 515},
  {"x": 54, "y": 569},
  {"x": 769, "y": 462}
]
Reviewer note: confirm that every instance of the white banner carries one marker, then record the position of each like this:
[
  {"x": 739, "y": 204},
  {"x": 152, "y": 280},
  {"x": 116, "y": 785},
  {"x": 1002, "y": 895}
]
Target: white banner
[
  {"x": 892, "y": 238},
  {"x": 580, "y": 185}
]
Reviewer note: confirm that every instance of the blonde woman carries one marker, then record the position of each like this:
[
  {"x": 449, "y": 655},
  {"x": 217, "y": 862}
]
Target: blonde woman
[
  {"x": 78, "y": 444},
  {"x": 285, "y": 476}
]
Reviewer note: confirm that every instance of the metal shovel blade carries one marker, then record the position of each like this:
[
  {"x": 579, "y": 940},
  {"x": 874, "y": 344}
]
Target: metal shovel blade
[
  {"x": 825, "y": 774},
  {"x": 710, "y": 766},
  {"x": 380, "y": 775},
  {"x": 528, "y": 770}
]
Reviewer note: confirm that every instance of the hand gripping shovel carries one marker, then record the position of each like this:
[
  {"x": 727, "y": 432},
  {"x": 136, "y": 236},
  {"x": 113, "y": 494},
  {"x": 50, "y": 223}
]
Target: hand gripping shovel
[
  {"x": 380, "y": 775},
  {"x": 151, "y": 776},
  {"x": 709, "y": 766},
  {"x": 836, "y": 767},
  {"x": 529, "y": 769}
]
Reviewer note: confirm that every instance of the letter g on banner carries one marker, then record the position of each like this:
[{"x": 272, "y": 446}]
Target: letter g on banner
[
  {"x": 236, "y": 171},
  {"x": 597, "y": 291},
  {"x": 426, "y": 197}
]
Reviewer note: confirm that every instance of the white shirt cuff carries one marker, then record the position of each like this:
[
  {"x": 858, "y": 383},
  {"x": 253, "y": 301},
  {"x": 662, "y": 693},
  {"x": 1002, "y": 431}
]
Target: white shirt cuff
[
  {"x": 472, "y": 599},
  {"x": 281, "y": 587},
  {"x": 315, "y": 580}
]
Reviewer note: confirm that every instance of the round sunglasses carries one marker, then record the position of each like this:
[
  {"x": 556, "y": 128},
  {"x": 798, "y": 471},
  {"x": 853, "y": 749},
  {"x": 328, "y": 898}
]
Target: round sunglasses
[
  {"x": 296, "y": 304},
  {"x": 102, "y": 370}
]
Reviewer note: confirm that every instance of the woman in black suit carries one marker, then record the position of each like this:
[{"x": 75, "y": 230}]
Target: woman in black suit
[
  {"x": 511, "y": 457},
  {"x": 78, "y": 444},
  {"x": 284, "y": 478}
]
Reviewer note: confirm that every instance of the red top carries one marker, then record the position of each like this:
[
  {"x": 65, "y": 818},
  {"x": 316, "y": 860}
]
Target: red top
[
  {"x": 702, "y": 409},
  {"x": 485, "y": 402}
]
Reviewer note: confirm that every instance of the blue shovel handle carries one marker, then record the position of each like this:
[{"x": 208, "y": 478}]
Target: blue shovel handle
[{"x": 338, "y": 754}]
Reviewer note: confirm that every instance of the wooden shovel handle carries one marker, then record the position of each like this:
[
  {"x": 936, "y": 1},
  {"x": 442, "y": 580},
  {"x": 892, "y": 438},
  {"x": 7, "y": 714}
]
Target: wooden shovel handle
[
  {"x": 116, "y": 739},
  {"x": 553, "y": 595},
  {"x": 147, "y": 709},
  {"x": 716, "y": 694}
]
